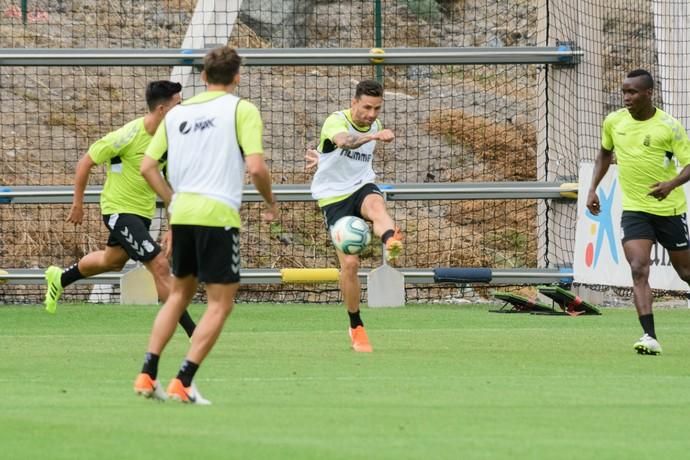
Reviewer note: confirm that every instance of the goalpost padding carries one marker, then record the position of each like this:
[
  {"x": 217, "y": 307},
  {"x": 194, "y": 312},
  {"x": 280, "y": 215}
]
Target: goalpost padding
[
  {"x": 462, "y": 275},
  {"x": 309, "y": 275}
]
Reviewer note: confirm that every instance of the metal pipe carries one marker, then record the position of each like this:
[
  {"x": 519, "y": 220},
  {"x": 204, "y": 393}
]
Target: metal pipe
[
  {"x": 273, "y": 276},
  {"x": 301, "y": 192},
  {"x": 292, "y": 56}
]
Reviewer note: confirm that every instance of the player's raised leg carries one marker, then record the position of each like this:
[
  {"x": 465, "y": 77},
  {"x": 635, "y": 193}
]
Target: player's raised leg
[{"x": 374, "y": 210}]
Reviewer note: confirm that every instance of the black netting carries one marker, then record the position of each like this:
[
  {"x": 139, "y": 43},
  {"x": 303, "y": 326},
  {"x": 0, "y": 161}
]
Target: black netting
[{"x": 454, "y": 123}]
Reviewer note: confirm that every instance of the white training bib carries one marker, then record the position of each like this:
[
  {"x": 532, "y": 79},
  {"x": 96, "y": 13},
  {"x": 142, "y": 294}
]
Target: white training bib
[
  {"x": 204, "y": 156},
  {"x": 343, "y": 171}
]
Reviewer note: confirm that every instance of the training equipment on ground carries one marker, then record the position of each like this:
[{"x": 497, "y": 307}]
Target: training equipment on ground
[
  {"x": 350, "y": 235},
  {"x": 385, "y": 287},
  {"x": 521, "y": 304},
  {"x": 137, "y": 287},
  {"x": 570, "y": 303}
]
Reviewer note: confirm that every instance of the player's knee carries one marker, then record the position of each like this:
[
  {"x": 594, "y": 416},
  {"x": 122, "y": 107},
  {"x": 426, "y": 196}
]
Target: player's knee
[
  {"x": 220, "y": 310},
  {"x": 158, "y": 266},
  {"x": 349, "y": 265},
  {"x": 639, "y": 269}
]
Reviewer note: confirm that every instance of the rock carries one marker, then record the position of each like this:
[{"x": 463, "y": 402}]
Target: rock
[{"x": 281, "y": 22}]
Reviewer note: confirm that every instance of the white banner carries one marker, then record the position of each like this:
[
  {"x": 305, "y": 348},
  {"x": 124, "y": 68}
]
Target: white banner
[{"x": 599, "y": 257}]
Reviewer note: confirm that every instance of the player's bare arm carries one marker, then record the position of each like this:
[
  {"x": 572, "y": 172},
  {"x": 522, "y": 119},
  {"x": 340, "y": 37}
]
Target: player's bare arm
[
  {"x": 166, "y": 243},
  {"x": 312, "y": 158},
  {"x": 385, "y": 135},
  {"x": 352, "y": 141},
  {"x": 152, "y": 175},
  {"x": 661, "y": 190},
  {"x": 601, "y": 166},
  {"x": 261, "y": 178},
  {"x": 81, "y": 180}
]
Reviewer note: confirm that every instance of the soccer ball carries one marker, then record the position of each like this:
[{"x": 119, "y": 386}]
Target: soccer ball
[{"x": 350, "y": 235}]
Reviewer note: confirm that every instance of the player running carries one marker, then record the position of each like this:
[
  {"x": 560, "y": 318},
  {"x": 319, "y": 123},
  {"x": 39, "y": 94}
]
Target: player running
[
  {"x": 649, "y": 145},
  {"x": 127, "y": 203},
  {"x": 210, "y": 139}
]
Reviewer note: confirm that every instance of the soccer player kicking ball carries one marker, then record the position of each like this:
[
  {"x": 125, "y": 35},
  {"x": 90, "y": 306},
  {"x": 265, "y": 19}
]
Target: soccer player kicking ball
[
  {"x": 127, "y": 203},
  {"x": 210, "y": 139},
  {"x": 649, "y": 144},
  {"x": 344, "y": 185}
]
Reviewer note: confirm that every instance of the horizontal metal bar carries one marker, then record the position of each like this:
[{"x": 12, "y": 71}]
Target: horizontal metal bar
[
  {"x": 272, "y": 276},
  {"x": 477, "y": 190},
  {"x": 301, "y": 192},
  {"x": 292, "y": 56},
  {"x": 37, "y": 276}
]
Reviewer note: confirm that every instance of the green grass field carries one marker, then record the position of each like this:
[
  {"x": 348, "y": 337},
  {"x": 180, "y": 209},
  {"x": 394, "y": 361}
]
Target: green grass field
[{"x": 444, "y": 382}]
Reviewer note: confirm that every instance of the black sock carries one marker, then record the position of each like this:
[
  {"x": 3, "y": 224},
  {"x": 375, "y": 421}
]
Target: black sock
[
  {"x": 387, "y": 234},
  {"x": 355, "y": 320},
  {"x": 70, "y": 275},
  {"x": 150, "y": 365},
  {"x": 187, "y": 323},
  {"x": 647, "y": 322},
  {"x": 187, "y": 371}
]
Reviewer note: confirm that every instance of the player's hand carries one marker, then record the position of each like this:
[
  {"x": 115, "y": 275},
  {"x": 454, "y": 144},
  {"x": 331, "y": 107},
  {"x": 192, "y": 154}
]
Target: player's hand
[
  {"x": 385, "y": 135},
  {"x": 76, "y": 214},
  {"x": 271, "y": 212},
  {"x": 593, "y": 203},
  {"x": 661, "y": 190},
  {"x": 312, "y": 158},
  {"x": 166, "y": 243}
]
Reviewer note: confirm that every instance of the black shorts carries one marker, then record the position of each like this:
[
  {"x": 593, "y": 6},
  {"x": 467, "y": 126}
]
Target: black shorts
[
  {"x": 131, "y": 232},
  {"x": 350, "y": 206},
  {"x": 670, "y": 231},
  {"x": 211, "y": 254}
]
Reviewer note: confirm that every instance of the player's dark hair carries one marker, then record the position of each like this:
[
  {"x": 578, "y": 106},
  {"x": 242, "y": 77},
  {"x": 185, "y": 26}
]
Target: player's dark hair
[
  {"x": 646, "y": 77},
  {"x": 221, "y": 65},
  {"x": 368, "y": 88},
  {"x": 160, "y": 91}
]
